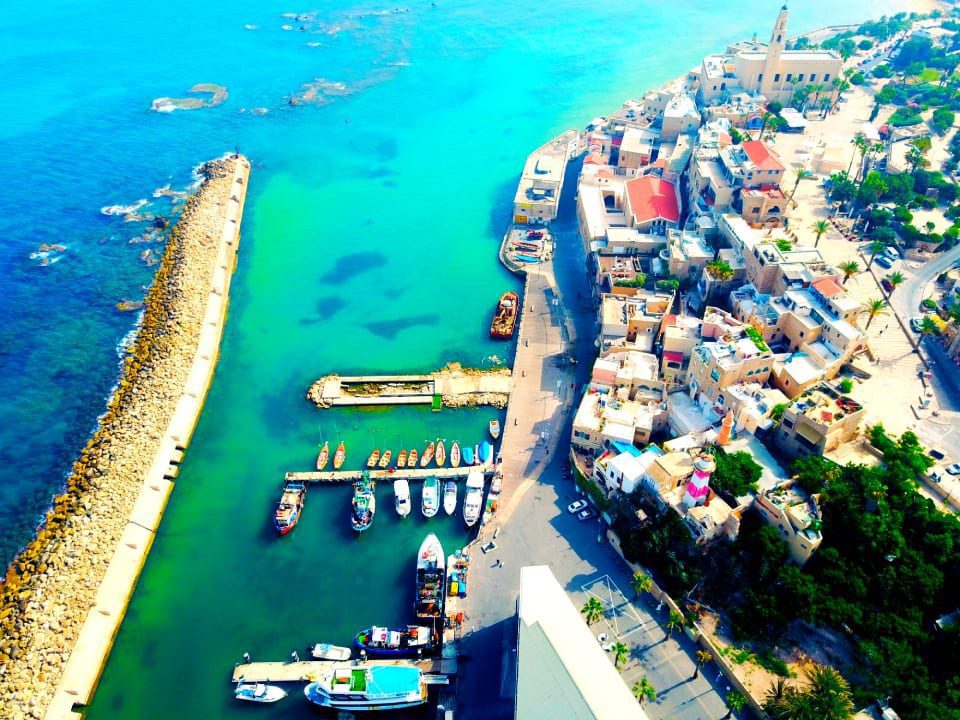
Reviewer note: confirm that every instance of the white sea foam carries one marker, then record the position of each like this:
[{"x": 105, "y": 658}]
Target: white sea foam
[
  {"x": 251, "y": 27},
  {"x": 124, "y": 209}
]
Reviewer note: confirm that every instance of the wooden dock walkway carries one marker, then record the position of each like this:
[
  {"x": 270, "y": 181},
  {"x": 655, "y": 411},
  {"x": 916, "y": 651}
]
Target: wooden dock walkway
[
  {"x": 418, "y": 474},
  {"x": 310, "y": 670}
]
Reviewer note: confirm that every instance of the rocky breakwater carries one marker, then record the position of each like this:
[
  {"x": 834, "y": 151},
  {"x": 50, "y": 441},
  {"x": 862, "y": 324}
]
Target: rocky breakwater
[{"x": 64, "y": 596}]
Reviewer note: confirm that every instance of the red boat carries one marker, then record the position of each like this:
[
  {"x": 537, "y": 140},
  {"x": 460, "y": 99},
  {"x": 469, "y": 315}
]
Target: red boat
[
  {"x": 505, "y": 317},
  {"x": 290, "y": 507}
]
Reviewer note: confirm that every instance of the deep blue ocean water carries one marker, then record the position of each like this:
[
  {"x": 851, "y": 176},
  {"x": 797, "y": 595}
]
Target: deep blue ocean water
[{"x": 368, "y": 244}]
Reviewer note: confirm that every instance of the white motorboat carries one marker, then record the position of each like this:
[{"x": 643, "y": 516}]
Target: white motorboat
[
  {"x": 258, "y": 692},
  {"x": 401, "y": 491},
  {"x": 431, "y": 578},
  {"x": 495, "y": 429},
  {"x": 431, "y": 497},
  {"x": 450, "y": 497},
  {"x": 326, "y": 651},
  {"x": 473, "y": 500}
]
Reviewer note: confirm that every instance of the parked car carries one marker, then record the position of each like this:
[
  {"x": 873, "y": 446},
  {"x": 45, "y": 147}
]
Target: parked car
[
  {"x": 884, "y": 261},
  {"x": 886, "y": 285},
  {"x": 576, "y": 506},
  {"x": 891, "y": 252},
  {"x": 953, "y": 469},
  {"x": 935, "y": 454},
  {"x": 589, "y": 513},
  {"x": 936, "y": 476},
  {"x": 916, "y": 324}
]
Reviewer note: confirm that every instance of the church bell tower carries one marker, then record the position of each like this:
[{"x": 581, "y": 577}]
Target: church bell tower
[{"x": 778, "y": 40}]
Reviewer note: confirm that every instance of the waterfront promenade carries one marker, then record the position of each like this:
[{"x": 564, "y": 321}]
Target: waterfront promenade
[{"x": 66, "y": 594}]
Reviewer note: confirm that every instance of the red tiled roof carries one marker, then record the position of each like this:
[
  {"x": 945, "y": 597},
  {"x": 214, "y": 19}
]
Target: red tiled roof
[
  {"x": 652, "y": 198},
  {"x": 762, "y": 156},
  {"x": 827, "y": 286}
]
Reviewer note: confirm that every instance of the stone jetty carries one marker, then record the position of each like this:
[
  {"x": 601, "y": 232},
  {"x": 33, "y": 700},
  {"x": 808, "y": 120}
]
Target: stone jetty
[{"x": 64, "y": 596}]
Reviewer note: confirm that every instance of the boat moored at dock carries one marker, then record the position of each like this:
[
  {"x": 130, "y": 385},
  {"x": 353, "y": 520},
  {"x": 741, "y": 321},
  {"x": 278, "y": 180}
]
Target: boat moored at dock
[
  {"x": 450, "y": 497},
  {"x": 412, "y": 459},
  {"x": 431, "y": 576},
  {"x": 374, "y": 687},
  {"x": 473, "y": 500},
  {"x": 401, "y": 492},
  {"x": 385, "y": 459},
  {"x": 364, "y": 504},
  {"x": 259, "y": 693},
  {"x": 485, "y": 452},
  {"x": 411, "y": 641},
  {"x": 323, "y": 456},
  {"x": 455, "y": 454},
  {"x": 373, "y": 459},
  {"x": 430, "y": 500},
  {"x": 326, "y": 651},
  {"x": 427, "y": 455},
  {"x": 468, "y": 455},
  {"x": 505, "y": 317},
  {"x": 339, "y": 456},
  {"x": 495, "y": 429},
  {"x": 441, "y": 456},
  {"x": 290, "y": 507},
  {"x": 402, "y": 459}
]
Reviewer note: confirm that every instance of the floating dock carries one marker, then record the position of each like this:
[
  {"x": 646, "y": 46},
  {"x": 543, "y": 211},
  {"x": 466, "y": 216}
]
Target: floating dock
[
  {"x": 310, "y": 670},
  {"x": 348, "y": 476}
]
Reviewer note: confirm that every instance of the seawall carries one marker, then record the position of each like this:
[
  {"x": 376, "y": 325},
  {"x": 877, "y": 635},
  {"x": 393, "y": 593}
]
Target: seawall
[{"x": 65, "y": 595}]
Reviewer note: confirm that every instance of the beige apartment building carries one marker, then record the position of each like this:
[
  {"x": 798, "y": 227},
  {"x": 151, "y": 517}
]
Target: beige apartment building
[
  {"x": 818, "y": 422},
  {"x": 632, "y": 316},
  {"x": 716, "y": 365},
  {"x": 796, "y": 516}
]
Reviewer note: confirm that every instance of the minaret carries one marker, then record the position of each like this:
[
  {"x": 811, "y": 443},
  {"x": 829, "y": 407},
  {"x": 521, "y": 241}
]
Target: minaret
[{"x": 778, "y": 40}]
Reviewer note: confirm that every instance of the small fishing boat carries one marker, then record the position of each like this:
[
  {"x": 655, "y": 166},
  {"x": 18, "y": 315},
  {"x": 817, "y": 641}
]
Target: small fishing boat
[
  {"x": 374, "y": 458},
  {"x": 450, "y": 497},
  {"x": 441, "y": 456},
  {"x": 401, "y": 493},
  {"x": 455, "y": 454},
  {"x": 364, "y": 504},
  {"x": 402, "y": 459},
  {"x": 486, "y": 452},
  {"x": 476, "y": 454},
  {"x": 495, "y": 428},
  {"x": 258, "y": 692},
  {"x": 411, "y": 641},
  {"x": 431, "y": 578},
  {"x": 505, "y": 316},
  {"x": 467, "y": 455},
  {"x": 431, "y": 497},
  {"x": 385, "y": 458},
  {"x": 324, "y": 456},
  {"x": 290, "y": 507},
  {"x": 427, "y": 455},
  {"x": 374, "y": 687},
  {"x": 412, "y": 459},
  {"x": 339, "y": 456},
  {"x": 473, "y": 500},
  {"x": 326, "y": 651}
]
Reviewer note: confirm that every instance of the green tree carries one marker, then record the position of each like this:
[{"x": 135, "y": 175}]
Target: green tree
[
  {"x": 842, "y": 188},
  {"x": 876, "y": 246},
  {"x": 720, "y": 270},
  {"x": 641, "y": 583},
  {"x": 674, "y": 622},
  {"x": 827, "y": 694},
  {"x": 703, "y": 657},
  {"x": 643, "y": 690},
  {"x": 928, "y": 326},
  {"x": 621, "y": 653},
  {"x": 896, "y": 279},
  {"x": 849, "y": 268},
  {"x": 798, "y": 175},
  {"x": 872, "y": 187},
  {"x": 735, "y": 703},
  {"x": 873, "y": 308},
  {"x": 736, "y": 475},
  {"x": 592, "y": 610},
  {"x": 819, "y": 228}
]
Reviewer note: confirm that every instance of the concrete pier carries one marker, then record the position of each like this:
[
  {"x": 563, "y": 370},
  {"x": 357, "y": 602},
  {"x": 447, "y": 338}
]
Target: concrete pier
[{"x": 310, "y": 670}]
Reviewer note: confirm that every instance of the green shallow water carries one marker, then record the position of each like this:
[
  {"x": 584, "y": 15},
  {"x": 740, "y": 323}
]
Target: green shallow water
[{"x": 369, "y": 245}]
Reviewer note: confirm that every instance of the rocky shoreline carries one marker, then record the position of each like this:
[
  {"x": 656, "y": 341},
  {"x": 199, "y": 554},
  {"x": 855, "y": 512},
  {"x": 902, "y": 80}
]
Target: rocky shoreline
[{"x": 52, "y": 586}]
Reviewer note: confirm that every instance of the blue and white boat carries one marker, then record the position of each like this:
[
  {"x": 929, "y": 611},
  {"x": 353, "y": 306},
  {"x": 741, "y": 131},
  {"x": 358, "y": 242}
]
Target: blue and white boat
[
  {"x": 467, "y": 455},
  {"x": 369, "y": 688},
  {"x": 364, "y": 503},
  {"x": 258, "y": 692},
  {"x": 486, "y": 452},
  {"x": 411, "y": 641}
]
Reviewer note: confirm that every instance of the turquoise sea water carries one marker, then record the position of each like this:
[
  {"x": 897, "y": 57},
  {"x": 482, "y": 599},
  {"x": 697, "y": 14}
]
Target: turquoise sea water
[{"x": 368, "y": 245}]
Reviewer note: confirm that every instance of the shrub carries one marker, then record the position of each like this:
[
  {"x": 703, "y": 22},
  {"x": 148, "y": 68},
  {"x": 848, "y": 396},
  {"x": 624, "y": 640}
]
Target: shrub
[
  {"x": 857, "y": 79},
  {"x": 929, "y": 304},
  {"x": 639, "y": 280},
  {"x": 904, "y": 117},
  {"x": 865, "y": 44},
  {"x": 775, "y": 107},
  {"x": 942, "y": 120},
  {"x": 882, "y": 71},
  {"x": 668, "y": 284},
  {"x": 846, "y": 386}
]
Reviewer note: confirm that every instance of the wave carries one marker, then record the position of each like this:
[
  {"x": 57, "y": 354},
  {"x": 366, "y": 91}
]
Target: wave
[{"x": 124, "y": 209}]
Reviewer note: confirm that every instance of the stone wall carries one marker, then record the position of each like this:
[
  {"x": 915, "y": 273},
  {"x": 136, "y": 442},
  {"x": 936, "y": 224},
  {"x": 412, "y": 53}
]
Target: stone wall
[{"x": 64, "y": 596}]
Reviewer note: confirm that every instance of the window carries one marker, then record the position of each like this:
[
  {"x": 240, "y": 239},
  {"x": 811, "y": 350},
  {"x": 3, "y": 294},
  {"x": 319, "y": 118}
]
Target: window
[
  {"x": 776, "y": 78},
  {"x": 813, "y": 77},
  {"x": 760, "y": 77},
  {"x": 788, "y": 423},
  {"x": 715, "y": 374},
  {"x": 789, "y": 77},
  {"x": 826, "y": 77},
  {"x": 800, "y": 77}
]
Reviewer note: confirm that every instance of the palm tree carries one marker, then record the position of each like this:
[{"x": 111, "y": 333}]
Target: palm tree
[
  {"x": 592, "y": 610},
  {"x": 798, "y": 174},
  {"x": 641, "y": 583},
  {"x": 735, "y": 703},
  {"x": 768, "y": 118},
  {"x": 675, "y": 621},
  {"x": 931, "y": 226},
  {"x": 827, "y": 694},
  {"x": 621, "y": 653},
  {"x": 819, "y": 228},
  {"x": 875, "y": 247},
  {"x": 702, "y": 657},
  {"x": 896, "y": 278},
  {"x": 860, "y": 144},
  {"x": 928, "y": 326},
  {"x": 873, "y": 308},
  {"x": 643, "y": 690},
  {"x": 849, "y": 269}
]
